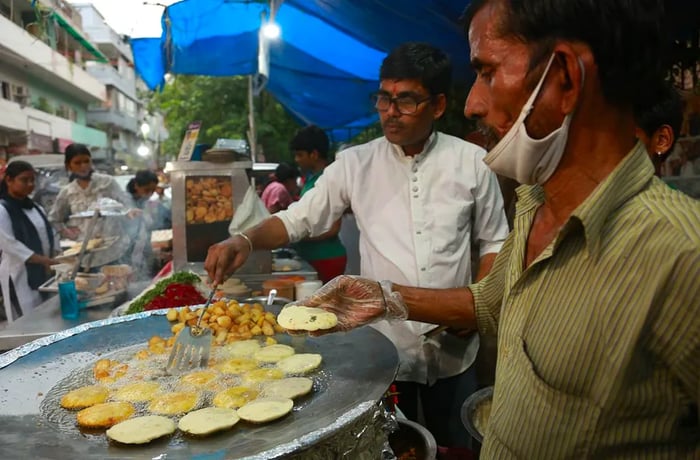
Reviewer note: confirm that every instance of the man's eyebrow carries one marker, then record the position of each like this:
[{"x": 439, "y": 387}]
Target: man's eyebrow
[{"x": 384, "y": 92}]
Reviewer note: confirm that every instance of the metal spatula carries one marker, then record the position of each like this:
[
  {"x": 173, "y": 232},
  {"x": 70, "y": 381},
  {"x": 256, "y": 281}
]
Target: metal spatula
[{"x": 192, "y": 347}]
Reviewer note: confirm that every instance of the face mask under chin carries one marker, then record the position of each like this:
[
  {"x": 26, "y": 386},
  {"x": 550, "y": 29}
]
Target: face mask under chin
[
  {"x": 520, "y": 157},
  {"x": 86, "y": 176}
]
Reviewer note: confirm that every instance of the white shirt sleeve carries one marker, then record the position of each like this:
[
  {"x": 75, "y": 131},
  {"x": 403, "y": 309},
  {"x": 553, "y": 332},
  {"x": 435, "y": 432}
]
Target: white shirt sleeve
[
  {"x": 316, "y": 211},
  {"x": 8, "y": 243},
  {"x": 490, "y": 223}
]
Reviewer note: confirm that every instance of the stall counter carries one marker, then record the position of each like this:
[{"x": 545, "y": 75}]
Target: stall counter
[{"x": 46, "y": 319}]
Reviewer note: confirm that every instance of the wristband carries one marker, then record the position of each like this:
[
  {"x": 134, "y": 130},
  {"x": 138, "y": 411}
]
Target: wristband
[{"x": 247, "y": 238}]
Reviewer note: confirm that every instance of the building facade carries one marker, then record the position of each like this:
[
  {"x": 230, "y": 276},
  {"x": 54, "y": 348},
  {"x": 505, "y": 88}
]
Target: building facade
[
  {"x": 134, "y": 135},
  {"x": 46, "y": 86}
]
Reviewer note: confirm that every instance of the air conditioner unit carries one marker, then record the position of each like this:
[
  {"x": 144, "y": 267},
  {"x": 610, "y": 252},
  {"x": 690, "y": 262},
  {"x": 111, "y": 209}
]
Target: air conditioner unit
[
  {"x": 18, "y": 90},
  {"x": 20, "y": 95}
]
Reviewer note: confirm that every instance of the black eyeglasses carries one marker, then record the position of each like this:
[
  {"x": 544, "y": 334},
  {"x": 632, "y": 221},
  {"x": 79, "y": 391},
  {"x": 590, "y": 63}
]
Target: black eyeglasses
[{"x": 406, "y": 105}]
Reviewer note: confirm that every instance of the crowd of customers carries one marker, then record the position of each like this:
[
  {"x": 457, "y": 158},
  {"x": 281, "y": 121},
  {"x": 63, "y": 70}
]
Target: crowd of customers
[{"x": 30, "y": 235}]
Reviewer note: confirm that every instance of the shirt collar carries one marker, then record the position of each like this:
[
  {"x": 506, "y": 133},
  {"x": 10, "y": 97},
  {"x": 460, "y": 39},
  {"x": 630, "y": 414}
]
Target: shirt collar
[
  {"x": 429, "y": 145},
  {"x": 629, "y": 177}
]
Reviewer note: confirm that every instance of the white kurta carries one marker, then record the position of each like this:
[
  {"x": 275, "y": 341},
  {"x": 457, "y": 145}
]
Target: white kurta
[
  {"x": 14, "y": 256},
  {"x": 417, "y": 218}
]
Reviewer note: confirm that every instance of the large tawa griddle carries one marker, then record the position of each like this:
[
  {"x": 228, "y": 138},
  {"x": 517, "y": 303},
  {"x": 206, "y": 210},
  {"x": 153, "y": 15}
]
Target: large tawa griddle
[{"x": 357, "y": 369}]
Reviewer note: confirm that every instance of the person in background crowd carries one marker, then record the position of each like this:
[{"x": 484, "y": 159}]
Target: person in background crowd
[
  {"x": 659, "y": 122},
  {"x": 26, "y": 240},
  {"x": 141, "y": 188},
  {"x": 594, "y": 296},
  {"x": 84, "y": 191},
  {"x": 420, "y": 199},
  {"x": 281, "y": 191},
  {"x": 325, "y": 252}
]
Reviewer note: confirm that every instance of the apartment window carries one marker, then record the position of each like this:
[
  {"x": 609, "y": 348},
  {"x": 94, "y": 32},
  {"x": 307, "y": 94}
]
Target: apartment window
[
  {"x": 66, "y": 111},
  {"x": 6, "y": 91},
  {"x": 5, "y": 11}
]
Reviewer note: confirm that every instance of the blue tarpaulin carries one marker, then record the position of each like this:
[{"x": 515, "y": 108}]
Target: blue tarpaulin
[{"x": 326, "y": 62}]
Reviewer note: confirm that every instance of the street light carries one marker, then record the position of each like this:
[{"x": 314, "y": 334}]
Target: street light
[
  {"x": 145, "y": 129},
  {"x": 143, "y": 150}
]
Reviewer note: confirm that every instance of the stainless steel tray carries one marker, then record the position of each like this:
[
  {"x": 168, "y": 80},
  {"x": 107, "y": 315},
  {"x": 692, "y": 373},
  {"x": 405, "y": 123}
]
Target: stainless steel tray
[{"x": 358, "y": 368}]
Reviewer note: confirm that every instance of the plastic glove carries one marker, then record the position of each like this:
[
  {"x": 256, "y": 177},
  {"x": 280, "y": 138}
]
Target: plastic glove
[{"x": 357, "y": 301}]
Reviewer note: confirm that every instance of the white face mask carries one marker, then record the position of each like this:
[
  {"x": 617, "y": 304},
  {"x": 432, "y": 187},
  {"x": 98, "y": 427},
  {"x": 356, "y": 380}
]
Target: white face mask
[{"x": 528, "y": 160}]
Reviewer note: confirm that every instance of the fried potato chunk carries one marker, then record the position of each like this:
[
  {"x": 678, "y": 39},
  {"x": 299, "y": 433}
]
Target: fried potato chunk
[
  {"x": 105, "y": 415},
  {"x": 234, "y": 397},
  {"x": 108, "y": 371},
  {"x": 137, "y": 392},
  {"x": 83, "y": 397},
  {"x": 140, "y": 430},
  {"x": 173, "y": 403}
]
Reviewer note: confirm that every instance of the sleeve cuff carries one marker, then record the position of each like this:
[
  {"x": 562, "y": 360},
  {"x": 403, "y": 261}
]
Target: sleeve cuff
[
  {"x": 287, "y": 222},
  {"x": 490, "y": 247},
  {"x": 484, "y": 318}
]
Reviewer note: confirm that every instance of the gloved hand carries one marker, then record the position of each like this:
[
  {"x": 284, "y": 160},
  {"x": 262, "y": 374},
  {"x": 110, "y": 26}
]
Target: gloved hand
[{"x": 357, "y": 301}]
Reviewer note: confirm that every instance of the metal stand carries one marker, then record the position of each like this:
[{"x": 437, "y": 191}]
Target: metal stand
[{"x": 83, "y": 248}]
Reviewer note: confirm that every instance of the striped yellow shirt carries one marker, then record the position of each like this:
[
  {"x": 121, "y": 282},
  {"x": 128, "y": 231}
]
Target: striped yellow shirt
[{"x": 599, "y": 339}]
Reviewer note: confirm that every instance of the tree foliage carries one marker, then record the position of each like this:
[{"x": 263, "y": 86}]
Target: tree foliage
[{"x": 221, "y": 104}]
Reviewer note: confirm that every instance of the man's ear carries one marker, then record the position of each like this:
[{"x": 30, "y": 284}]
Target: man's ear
[
  {"x": 440, "y": 105},
  {"x": 662, "y": 140},
  {"x": 570, "y": 76}
]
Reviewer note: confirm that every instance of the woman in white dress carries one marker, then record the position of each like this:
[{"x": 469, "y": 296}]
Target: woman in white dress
[{"x": 26, "y": 242}]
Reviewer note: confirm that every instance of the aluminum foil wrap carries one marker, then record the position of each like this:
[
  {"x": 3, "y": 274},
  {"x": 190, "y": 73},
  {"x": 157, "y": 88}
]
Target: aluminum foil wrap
[{"x": 340, "y": 419}]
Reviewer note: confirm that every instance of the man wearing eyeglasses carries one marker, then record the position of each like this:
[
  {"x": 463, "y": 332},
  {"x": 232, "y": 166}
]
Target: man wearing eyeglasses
[{"x": 420, "y": 199}]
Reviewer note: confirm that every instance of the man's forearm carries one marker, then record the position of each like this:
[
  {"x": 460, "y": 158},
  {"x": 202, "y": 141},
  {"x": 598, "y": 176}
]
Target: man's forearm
[
  {"x": 268, "y": 234},
  {"x": 448, "y": 307}
]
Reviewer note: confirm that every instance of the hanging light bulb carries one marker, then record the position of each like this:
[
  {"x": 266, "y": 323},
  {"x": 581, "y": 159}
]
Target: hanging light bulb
[{"x": 271, "y": 31}]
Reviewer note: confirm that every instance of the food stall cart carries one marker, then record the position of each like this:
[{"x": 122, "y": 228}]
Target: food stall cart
[{"x": 206, "y": 196}]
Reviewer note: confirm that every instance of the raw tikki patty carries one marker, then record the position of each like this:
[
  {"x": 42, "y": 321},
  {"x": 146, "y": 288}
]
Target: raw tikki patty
[{"x": 301, "y": 318}]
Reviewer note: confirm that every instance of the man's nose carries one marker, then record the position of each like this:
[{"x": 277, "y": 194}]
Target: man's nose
[
  {"x": 393, "y": 110},
  {"x": 475, "y": 104}
]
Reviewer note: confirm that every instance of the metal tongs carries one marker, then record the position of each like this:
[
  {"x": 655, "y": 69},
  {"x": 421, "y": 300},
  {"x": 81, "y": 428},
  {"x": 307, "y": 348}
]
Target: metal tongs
[{"x": 192, "y": 347}]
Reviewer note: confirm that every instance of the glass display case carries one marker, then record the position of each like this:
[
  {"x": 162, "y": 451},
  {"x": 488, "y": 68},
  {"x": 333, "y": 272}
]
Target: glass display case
[{"x": 205, "y": 197}]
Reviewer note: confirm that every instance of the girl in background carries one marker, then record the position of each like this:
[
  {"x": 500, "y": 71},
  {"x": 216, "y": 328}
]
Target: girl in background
[
  {"x": 26, "y": 241},
  {"x": 84, "y": 191}
]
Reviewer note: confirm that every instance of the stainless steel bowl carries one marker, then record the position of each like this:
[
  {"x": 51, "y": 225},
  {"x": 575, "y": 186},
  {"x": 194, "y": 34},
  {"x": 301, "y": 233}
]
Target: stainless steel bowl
[
  {"x": 413, "y": 435},
  {"x": 469, "y": 411}
]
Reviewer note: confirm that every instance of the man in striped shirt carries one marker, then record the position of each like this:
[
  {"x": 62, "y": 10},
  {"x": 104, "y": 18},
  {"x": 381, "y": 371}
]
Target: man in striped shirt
[{"x": 594, "y": 296}]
